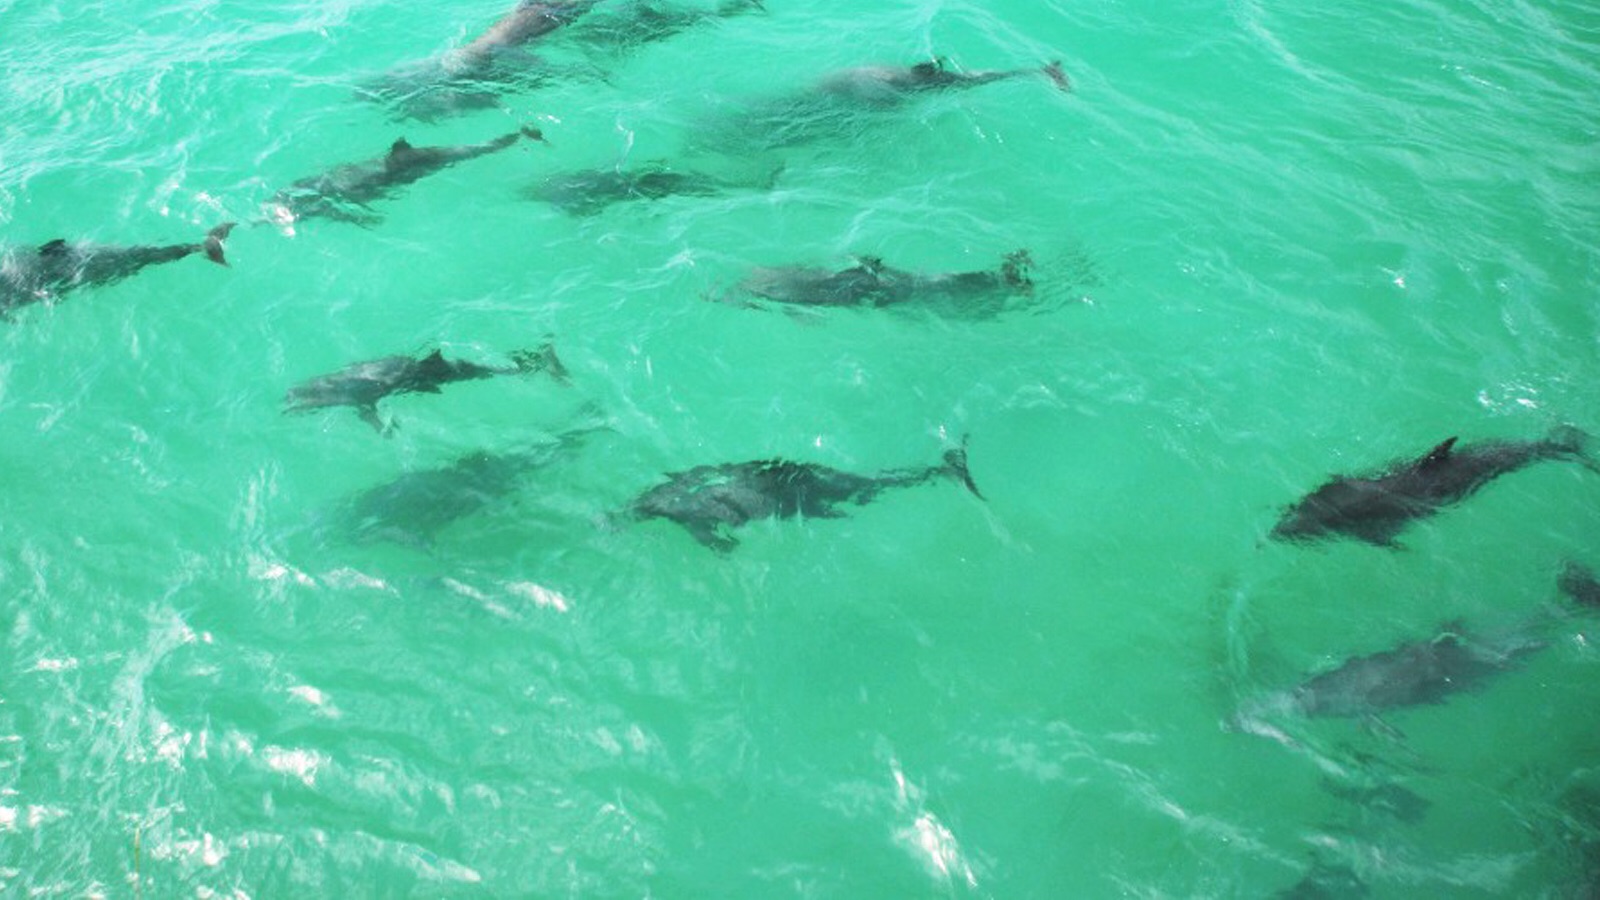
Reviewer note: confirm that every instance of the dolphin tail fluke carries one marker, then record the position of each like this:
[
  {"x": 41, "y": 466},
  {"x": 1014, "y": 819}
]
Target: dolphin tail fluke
[
  {"x": 955, "y": 465},
  {"x": 212, "y": 245},
  {"x": 543, "y": 359},
  {"x": 1056, "y": 74}
]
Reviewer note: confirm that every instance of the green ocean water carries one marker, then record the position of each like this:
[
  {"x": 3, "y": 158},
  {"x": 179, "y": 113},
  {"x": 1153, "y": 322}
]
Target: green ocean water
[{"x": 1271, "y": 244}]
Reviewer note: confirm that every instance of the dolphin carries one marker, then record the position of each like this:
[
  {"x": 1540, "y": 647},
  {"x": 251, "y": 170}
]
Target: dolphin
[
  {"x": 843, "y": 102},
  {"x": 588, "y": 192},
  {"x": 644, "y": 21},
  {"x": 530, "y": 20},
  {"x": 474, "y": 75},
  {"x": 37, "y": 274},
  {"x": 872, "y": 283},
  {"x": 709, "y": 499},
  {"x": 889, "y": 85},
  {"x": 1325, "y": 881},
  {"x": 1416, "y": 673},
  {"x": 361, "y": 385},
  {"x": 1376, "y": 508},
  {"x": 413, "y": 508},
  {"x": 344, "y": 191}
]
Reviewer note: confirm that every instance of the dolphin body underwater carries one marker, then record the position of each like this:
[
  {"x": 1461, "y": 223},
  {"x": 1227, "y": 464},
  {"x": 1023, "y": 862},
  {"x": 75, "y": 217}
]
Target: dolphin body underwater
[
  {"x": 590, "y": 191},
  {"x": 344, "y": 191},
  {"x": 628, "y": 25},
  {"x": 1376, "y": 508},
  {"x": 413, "y": 508},
  {"x": 707, "y": 500},
  {"x": 845, "y": 101},
  {"x": 362, "y": 385},
  {"x": 871, "y": 283},
  {"x": 474, "y": 75},
  {"x": 43, "y": 273},
  {"x": 1430, "y": 671}
]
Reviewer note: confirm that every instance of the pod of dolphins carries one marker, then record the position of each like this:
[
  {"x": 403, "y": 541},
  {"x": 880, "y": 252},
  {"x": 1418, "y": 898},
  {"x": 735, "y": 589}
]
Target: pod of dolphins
[{"x": 710, "y": 501}]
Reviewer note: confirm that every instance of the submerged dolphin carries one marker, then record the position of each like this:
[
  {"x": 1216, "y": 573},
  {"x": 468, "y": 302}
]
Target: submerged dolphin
[
  {"x": 415, "y": 507},
  {"x": 872, "y": 283},
  {"x": 629, "y": 25},
  {"x": 1416, "y": 673},
  {"x": 361, "y": 385},
  {"x": 36, "y": 274},
  {"x": 344, "y": 191},
  {"x": 1376, "y": 508},
  {"x": 473, "y": 76},
  {"x": 707, "y": 500},
  {"x": 888, "y": 85},
  {"x": 590, "y": 191},
  {"x": 1430, "y": 671}
]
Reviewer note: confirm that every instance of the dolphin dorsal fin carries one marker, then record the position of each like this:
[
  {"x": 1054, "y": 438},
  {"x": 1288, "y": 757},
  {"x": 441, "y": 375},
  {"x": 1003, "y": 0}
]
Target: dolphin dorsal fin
[
  {"x": 53, "y": 248},
  {"x": 1437, "y": 455},
  {"x": 436, "y": 356},
  {"x": 401, "y": 145}
]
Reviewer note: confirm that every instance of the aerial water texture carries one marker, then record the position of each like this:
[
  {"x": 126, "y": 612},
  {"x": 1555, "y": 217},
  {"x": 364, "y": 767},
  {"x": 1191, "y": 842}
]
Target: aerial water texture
[{"x": 718, "y": 449}]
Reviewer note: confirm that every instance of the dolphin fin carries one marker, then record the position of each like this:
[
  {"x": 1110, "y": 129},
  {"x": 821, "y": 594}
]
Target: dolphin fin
[
  {"x": 53, "y": 248},
  {"x": 955, "y": 465},
  {"x": 1056, "y": 74},
  {"x": 369, "y": 415},
  {"x": 401, "y": 145},
  {"x": 1437, "y": 455},
  {"x": 212, "y": 245}
]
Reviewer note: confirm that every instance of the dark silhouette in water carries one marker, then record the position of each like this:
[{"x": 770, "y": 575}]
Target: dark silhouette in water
[
  {"x": 476, "y": 74},
  {"x": 588, "y": 192},
  {"x": 43, "y": 273},
  {"x": 891, "y": 85},
  {"x": 1427, "y": 672},
  {"x": 872, "y": 283},
  {"x": 1376, "y": 508},
  {"x": 415, "y": 507},
  {"x": 625, "y": 26},
  {"x": 361, "y": 385},
  {"x": 707, "y": 500},
  {"x": 1325, "y": 881},
  {"x": 1416, "y": 673},
  {"x": 844, "y": 101},
  {"x": 344, "y": 191},
  {"x": 1579, "y": 583}
]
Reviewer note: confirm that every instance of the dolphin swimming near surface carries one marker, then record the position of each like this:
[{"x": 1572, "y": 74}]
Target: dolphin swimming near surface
[
  {"x": 707, "y": 500},
  {"x": 888, "y": 85},
  {"x": 1430, "y": 671},
  {"x": 39, "y": 274},
  {"x": 846, "y": 101},
  {"x": 361, "y": 385},
  {"x": 1416, "y": 673},
  {"x": 588, "y": 192},
  {"x": 628, "y": 25},
  {"x": 344, "y": 191},
  {"x": 413, "y": 508},
  {"x": 474, "y": 75},
  {"x": 1376, "y": 508},
  {"x": 872, "y": 283}
]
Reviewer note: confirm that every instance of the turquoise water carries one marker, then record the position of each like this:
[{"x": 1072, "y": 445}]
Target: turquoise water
[{"x": 1271, "y": 245}]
